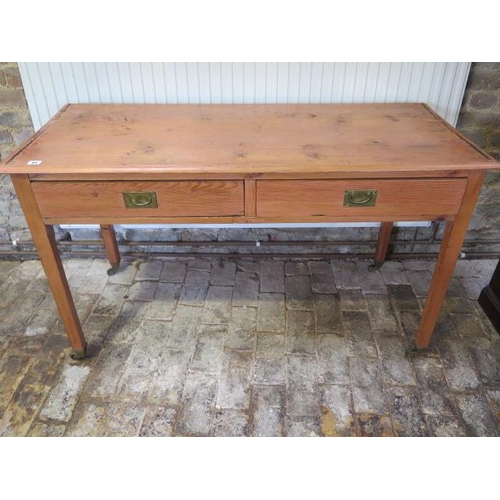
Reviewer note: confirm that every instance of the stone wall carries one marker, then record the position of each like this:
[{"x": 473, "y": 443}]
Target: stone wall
[
  {"x": 15, "y": 128},
  {"x": 479, "y": 120}
]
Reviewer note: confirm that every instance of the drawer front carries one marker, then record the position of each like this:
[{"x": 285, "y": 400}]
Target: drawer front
[
  {"x": 360, "y": 199},
  {"x": 140, "y": 199}
]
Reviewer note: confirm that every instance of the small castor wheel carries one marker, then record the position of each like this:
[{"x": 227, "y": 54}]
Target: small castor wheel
[
  {"x": 77, "y": 355},
  {"x": 375, "y": 266},
  {"x": 113, "y": 269},
  {"x": 414, "y": 351}
]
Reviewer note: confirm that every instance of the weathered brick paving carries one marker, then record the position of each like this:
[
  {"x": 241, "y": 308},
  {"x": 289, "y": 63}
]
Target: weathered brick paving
[{"x": 247, "y": 347}]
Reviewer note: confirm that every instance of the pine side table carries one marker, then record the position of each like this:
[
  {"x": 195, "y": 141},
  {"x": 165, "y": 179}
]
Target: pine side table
[{"x": 114, "y": 164}]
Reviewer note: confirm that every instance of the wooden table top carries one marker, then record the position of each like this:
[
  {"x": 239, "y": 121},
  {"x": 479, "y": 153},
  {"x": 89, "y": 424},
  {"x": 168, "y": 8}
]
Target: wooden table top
[{"x": 238, "y": 139}]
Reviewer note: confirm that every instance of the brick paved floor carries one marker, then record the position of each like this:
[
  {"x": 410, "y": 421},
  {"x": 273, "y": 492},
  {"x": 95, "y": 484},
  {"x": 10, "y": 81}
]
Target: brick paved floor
[{"x": 236, "y": 347}]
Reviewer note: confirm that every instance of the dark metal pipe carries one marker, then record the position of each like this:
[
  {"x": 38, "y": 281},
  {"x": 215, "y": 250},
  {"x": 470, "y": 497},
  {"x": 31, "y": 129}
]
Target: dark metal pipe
[
  {"x": 233, "y": 243},
  {"x": 340, "y": 256}
]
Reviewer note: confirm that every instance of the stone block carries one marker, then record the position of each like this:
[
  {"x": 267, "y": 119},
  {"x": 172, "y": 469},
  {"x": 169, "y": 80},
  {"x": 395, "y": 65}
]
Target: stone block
[
  {"x": 197, "y": 405},
  {"x": 223, "y": 273},
  {"x": 217, "y": 309},
  {"x": 111, "y": 301},
  {"x": 270, "y": 371},
  {"x": 302, "y": 426},
  {"x": 435, "y": 396},
  {"x": 302, "y": 393},
  {"x": 88, "y": 420},
  {"x": 5, "y": 138},
  {"x": 327, "y": 314},
  {"x": 300, "y": 333},
  {"x": 332, "y": 360},
  {"x": 272, "y": 276},
  {"x": 13, "y": 76},
  {"x": 403, "y": 298},
  {"x": 485, "y": 119},
  {"x": 293, "y": 268},
  {"x": 298, "y": 293},
  {"x": 21, "y": 136},
  {"x": 16, "y": 119},
  {"x": 106, "y": 373},
  {"x": 352, "y": 300},
  {"x": 197, "y": 264},
  {"x": 477, "y": 415},
  {"x": 63, "y": 397},
  {"x": 493, "y": 396},
  {"x": 164, "y": 303},
  {"x": 420, "y": 282},
  {"x": 149, "y": 270},
  {"x": 246, "y": 289},
  {"x": 371, "y": 282},
  {"x": 337, "y": 417},
  {"x": 459, "y": 369},
  {"x": 230, "y": 423},
  {"x": 487, "y": 361},
  {"x": 407, "y": 418},
  {"x": 96, "y": 330},
  {"x": 12, "y": 98},
  {"x": 158, "y": 421},
  {"x": 174, "y": 271},
  {"x": 235, "y": 380},
  {"x": 268, "y": 403},
  {"x": 195, "y": 288},
  {"x": 166, "y": 383},
  {"x": 473, "y": 287},
  {"x": 270, "y": 345},
  {"x": 366, "y": 382},
  {"x": 125, "y": 420},
  {"x": 375, "y": 425},
  {"x": 209, "y": 352},
  {"x": 482, "y": 100},
  {"x": 322, "y": 280},
  {"x": 468, "y": 325},
  {"x": 127, "y": 325},
  {"x": 241, "y": 329},
  {"x": 184, "y": 330},
  {"x": 396, "y": 367},
  {"x": 359, "y": 335},
  {"x": 445, "y": 426},
  {"x": 380, "y": 313},
  {"x": 345, "y": 274},
  {"x": 271, "y": 313},
  {"x": 44, "y": 429},
  {"x": 393, "y": 271},
  {"x": 248, "y": 265}
]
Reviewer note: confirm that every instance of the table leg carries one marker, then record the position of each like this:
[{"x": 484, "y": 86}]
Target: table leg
[
  {"x": 449, "y": 252},
  {"x": 384, "y": 235},
  {"x": 45, "y": 242},
  {"x": 111, "y": 246}
]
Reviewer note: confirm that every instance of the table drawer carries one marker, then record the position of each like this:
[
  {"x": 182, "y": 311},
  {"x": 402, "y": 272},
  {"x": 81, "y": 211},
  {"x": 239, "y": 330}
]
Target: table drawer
[
  {"x": 361, "y": 199},
  {"x": 140, "y": 199}
]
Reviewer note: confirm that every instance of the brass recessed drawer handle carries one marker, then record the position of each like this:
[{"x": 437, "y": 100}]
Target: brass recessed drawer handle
[
  {"x": 140, "y": 200},
  {"x": 355, "y": 198}
]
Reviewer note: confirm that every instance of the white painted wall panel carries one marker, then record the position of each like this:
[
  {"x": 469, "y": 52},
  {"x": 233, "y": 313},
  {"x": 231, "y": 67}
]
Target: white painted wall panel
[{"x": 49, "y": 86}]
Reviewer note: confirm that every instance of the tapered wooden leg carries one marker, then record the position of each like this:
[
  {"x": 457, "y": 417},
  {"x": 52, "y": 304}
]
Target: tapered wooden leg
[
  {"x": 45, "y": 242},
  {"x": 384, "y": 235},
  {"x": 451, "y": 245},
  {"x": 111, "y": 246}
]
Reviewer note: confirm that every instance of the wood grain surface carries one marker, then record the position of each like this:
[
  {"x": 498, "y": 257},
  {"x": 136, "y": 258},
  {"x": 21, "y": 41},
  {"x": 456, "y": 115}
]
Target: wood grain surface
[
  {"x": 105, "y": 199},
  {"x": 423, "y": 199},
  {"x": 245, "y": 139}
]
